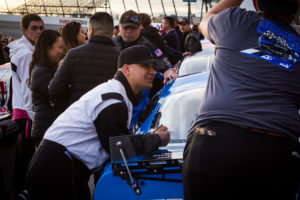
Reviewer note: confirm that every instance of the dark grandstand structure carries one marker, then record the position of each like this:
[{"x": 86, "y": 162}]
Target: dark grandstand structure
[
  {"x": 85, "y": 8},
  {"x": 65, "y": 8}
]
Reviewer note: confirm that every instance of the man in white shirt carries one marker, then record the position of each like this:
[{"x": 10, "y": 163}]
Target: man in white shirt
[
  {"x": 21, "y": 54},
  {"x": 77, "y": 143}
]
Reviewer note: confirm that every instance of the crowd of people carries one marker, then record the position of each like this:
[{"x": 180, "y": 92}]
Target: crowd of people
[
  {"x": 71, "y": 91},
  {"x": 4, "y": 50},
  {"x": 53, "y": 71}
]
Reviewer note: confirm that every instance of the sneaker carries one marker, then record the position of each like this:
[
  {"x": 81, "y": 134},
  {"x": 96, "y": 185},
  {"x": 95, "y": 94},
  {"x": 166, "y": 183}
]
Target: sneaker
[{"x": 23, "y": 195}]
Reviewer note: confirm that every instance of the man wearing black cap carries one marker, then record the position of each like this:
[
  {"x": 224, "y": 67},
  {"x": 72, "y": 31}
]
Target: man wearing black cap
[
  {"x": 130, "y": 28},
  {"x": 244, "y": 141},
  {"x": 78, "y": 141},
  {"x": 191, "y": 39}
]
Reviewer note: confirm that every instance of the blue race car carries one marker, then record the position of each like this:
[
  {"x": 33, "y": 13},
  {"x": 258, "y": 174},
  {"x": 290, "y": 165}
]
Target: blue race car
[{"x": 156, "y": 175}]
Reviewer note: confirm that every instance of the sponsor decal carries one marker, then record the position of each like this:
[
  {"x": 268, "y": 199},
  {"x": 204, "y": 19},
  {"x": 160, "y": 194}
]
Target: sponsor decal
[
  {"x": 134, "y": 18},
  {"x": 276, "y": 46}
]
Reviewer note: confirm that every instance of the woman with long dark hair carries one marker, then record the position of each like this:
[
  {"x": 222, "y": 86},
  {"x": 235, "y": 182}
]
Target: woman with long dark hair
[
  {"x": 72, "y": 35},
  {"x": 45, "y": 58}
]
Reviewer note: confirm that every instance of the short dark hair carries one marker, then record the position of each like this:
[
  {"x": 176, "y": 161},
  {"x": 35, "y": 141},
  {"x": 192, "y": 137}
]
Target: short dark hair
[
  {"x": 40, "y": 53},
  {"x": 69, "y": 34},
  {"x": 145, "y": 20},
  {"x": 281, "y": 7},
  {"x": 102, "y": 23},
  {"x": 174, "y": 17},
  {"x": 26, "y": 19},
  {"x": 170, "y": 20}
]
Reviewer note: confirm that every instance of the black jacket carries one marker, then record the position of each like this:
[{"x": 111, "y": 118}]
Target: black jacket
[
  {"x": 154, "y": 37},
  {"x": 85, "y": 67},
  {"x": 181, "y": 38},
  {"x": 44, "y": 114},
  {"x": 144, "y": 41},
  {"x": 140, "y": 41}
]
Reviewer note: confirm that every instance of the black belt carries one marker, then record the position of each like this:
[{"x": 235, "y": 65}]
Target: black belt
[
  {"x": 205, "y": 131},
  {"x": 256, "y": 130}
]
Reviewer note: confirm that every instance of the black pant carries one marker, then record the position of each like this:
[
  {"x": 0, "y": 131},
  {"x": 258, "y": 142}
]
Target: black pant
[
  {"x": 25, "y": 151},
  {"x": 54, "y": 174},
  {"x": 7, "y": 169},
  {"x": 237, "y": 163}
]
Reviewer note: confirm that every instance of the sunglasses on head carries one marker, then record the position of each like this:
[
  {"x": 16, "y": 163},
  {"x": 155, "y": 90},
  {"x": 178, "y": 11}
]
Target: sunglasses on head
[{"x": 34, "y": 28}]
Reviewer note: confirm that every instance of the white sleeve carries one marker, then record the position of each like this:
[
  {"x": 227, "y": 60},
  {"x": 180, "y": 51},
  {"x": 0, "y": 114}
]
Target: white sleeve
[{"x": 23, "y": 72}]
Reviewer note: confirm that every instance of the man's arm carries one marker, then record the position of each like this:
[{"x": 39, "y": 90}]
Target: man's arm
[
  {"x": 168, "y": 72},
  {"x": 215, "y": 10},
  {"x": 23, "y": 73},
  {"x": 59, "y": 85},
  {"x": 112, "y": 121},
  {"x": 173, "y": 52},
  {"x": 169, "y": 75}
]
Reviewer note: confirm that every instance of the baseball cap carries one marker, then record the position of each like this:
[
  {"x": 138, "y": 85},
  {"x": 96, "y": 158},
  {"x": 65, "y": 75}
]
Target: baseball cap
[
  {"x": 137, "y": 54},
  {"x": 283, "y": 7},
  {"x": 184, "y": 21},
  {"x": 131, "y": 18}
]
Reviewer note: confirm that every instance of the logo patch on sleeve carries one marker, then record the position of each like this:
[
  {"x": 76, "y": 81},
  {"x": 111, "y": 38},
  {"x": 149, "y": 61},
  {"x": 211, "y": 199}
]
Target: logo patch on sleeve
[
  {"x": 158, "y": 52},
  {"x": 275, "y": 45}
]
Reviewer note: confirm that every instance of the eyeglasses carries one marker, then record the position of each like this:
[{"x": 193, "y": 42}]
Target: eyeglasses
[{"x": 34, "y": 28}]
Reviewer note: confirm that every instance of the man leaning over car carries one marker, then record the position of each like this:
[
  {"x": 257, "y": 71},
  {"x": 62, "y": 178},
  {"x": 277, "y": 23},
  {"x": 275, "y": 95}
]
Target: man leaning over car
[{"x": 78, "y": 141}]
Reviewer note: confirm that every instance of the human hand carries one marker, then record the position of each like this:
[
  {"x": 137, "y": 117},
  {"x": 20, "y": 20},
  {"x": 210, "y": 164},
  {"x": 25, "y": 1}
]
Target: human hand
[
  {"x": 186, "y": 53},
  {"x": 51, "y": 104},
  {"x": 169, "y": 75},
  {"x": 164, "y": 135}
]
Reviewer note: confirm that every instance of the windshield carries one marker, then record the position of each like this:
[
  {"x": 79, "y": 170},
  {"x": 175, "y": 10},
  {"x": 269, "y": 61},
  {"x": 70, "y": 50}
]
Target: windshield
[
  {"x": 177, "y": 112},
  {"x": 195, "y": 64}
]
